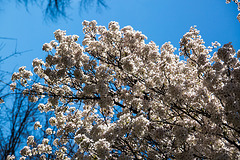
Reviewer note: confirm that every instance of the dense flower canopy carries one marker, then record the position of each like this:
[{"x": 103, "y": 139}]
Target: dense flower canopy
[{"x": 116, "y": 97}]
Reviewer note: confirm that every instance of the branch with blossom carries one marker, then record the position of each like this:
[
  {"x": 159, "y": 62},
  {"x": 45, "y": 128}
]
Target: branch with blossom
[{"x": 117, "y": 97}]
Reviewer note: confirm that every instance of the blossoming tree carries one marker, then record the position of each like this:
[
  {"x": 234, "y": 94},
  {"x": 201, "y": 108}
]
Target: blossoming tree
[{"x": 116, "y": 97}]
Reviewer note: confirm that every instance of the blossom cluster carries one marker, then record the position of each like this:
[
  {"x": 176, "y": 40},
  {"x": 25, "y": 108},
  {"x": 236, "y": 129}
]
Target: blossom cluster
[{"x": 116, "y": 97}]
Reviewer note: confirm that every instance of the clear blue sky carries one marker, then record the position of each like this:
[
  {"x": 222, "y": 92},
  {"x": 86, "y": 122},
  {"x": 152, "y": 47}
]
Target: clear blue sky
[{"x": 159, "y": 20}]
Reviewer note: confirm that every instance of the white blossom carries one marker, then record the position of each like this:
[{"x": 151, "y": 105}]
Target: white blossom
[
  {"x": 49, "y": 131},
  {"x": 26, "y": 151},
  {"x": 53, "y": 121},
  {"x": 30, "y": 140},
  {"x": 12, "y": 157},
  {"x": 37, "y": 125}
]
